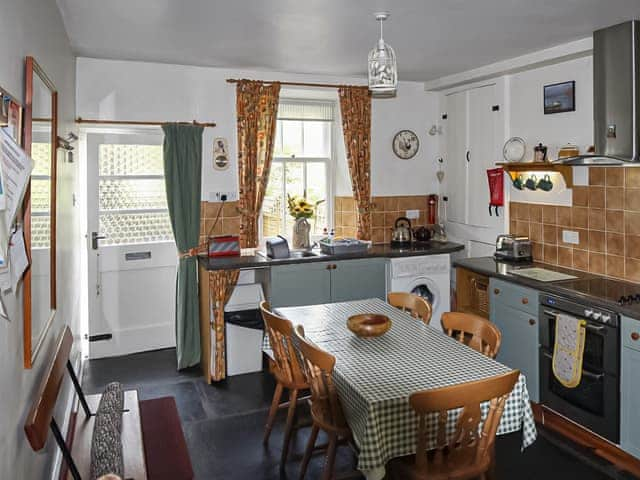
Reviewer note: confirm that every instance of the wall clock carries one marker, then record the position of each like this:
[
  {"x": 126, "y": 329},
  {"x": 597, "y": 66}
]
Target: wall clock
[{"x": 405, "y": 144}]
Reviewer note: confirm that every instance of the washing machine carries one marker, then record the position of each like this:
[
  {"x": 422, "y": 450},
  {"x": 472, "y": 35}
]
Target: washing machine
[{"x": 428, "y": 276}]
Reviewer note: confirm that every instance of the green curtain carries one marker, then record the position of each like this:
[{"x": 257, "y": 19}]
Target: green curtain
[{"x": 182, "y": 173}]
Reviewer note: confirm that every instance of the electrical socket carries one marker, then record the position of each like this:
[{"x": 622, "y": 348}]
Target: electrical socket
[
  {"x": 220, "y": 196},
  {"x": 569, "y": 236},
  {"x": 412, "y": 214}
]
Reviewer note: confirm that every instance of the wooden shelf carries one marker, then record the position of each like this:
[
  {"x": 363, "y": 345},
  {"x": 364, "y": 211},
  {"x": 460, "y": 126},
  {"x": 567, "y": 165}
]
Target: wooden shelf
[{"x": 514, "y": 169}]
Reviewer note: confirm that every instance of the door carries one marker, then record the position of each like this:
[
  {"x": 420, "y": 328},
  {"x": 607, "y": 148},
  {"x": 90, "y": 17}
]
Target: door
[
  {"x": 303, "y": 284},
  {"x": 630, "y": 414},
  {"x": 456, "y": 168},
  {"x": 519, "y": 346},
  {"x": 131, "y": 262},
  {"x": 358, "y": 279},
  {"x": 482, "y": 154}
]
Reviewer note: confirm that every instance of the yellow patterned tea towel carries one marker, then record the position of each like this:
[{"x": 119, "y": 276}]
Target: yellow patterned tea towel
[{"x": 568, "y": 350}]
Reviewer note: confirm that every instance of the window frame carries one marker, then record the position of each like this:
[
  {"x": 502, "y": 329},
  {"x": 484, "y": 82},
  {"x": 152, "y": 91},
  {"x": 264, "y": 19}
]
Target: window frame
[{"x": 329, "y": 163}]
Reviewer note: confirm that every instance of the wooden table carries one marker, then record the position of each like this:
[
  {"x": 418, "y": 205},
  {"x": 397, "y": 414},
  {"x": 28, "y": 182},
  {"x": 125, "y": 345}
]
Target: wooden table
[{"x": 375, "y": 376}]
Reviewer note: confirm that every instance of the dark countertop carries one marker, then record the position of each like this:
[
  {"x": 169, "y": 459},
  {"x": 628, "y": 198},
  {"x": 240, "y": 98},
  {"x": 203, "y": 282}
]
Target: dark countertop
[
  {"x": 376, "y": 251},
  {"x": 595, "y": 289}
]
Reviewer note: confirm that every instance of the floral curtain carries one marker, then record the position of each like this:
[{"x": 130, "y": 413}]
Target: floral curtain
[
  {"x": 355, "y": 107},
  {"x": 221, "y": 285},
  {"x": 257, "y": 108}
]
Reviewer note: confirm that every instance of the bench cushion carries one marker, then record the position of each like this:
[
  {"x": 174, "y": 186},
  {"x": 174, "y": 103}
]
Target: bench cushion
[
  {"x": 106, "y": 442},
  {"x": 164, "y": 444}
]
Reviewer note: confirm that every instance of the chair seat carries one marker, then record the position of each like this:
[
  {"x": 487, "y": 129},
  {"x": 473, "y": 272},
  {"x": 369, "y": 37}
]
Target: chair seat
[{"x": 462, "y": 469}]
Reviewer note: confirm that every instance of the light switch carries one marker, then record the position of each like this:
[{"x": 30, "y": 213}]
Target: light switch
[
  {"x": 569, "y": 236},
  {"x": 412, "y": 214}
]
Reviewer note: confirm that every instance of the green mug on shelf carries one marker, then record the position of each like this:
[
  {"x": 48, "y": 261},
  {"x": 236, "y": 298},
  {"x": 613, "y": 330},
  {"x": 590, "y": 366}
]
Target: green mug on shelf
[
  {"x": 518, "y": 182},
  {"x": 545, "y": 183},
  {"x": 532, "y": 182}
]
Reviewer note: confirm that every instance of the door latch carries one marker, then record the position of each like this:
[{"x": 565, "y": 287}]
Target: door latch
[{"x": 95, "y": 236}]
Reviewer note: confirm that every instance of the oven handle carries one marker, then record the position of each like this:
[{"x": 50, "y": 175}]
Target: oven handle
[
  {"x": 588, "y": 326},
  {"x": 586, "y": 373}
]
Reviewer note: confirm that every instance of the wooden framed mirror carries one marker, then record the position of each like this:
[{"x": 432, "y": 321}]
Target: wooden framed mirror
[{"x": 40, "y": 142}]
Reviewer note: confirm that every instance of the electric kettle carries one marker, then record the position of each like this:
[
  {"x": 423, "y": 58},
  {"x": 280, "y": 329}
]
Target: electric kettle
[{"x": 401, "y": 233}]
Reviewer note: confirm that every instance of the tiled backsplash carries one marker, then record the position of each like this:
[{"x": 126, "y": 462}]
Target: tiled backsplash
[
  {"x": 229, "y": 222},
  {"x": 606, "y": 215},
  {"x": 385, "y": 212}
]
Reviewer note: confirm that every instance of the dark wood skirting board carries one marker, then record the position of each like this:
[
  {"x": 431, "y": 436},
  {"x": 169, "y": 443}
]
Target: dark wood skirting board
[{"x": 598, "y": 445}]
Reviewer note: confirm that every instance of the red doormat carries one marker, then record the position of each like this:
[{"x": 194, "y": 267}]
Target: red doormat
[{"x": 165, "y": 449}]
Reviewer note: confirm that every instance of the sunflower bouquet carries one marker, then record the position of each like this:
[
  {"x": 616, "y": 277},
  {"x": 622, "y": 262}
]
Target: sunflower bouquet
[{"x": 299, "y": 207}]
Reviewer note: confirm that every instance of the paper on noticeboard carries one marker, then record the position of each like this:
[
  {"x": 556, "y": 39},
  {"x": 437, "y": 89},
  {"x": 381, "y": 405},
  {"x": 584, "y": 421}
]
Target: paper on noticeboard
[
  {"x": 16, "y": 171},
  {"x": 18, "y": 259}
]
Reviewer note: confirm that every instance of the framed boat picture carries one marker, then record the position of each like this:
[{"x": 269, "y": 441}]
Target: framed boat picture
[{"x": 560, "y": 97}]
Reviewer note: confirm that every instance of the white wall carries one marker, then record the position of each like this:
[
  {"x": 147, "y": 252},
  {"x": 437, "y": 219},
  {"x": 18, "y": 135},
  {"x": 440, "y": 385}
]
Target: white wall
[
  {"x": 34, "y": 27},
  {"x": 120, "y": 90}
]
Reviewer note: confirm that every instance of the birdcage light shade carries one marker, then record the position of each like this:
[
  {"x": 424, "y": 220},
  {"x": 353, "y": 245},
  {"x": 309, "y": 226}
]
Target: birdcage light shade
[{"x": 383, "y": 70}]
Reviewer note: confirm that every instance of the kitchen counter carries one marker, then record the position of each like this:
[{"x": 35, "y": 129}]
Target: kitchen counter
[
  {"x": 375, "y": 251},
  {"x": 596, "y": 289}
]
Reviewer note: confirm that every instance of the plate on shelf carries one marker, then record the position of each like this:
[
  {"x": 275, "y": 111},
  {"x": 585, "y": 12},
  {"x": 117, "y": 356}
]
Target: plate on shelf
[{"x": 514, "y": 150}]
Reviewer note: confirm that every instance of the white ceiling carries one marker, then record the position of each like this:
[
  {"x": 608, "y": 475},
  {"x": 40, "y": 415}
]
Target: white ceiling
[{"x": 432, "y": 38}]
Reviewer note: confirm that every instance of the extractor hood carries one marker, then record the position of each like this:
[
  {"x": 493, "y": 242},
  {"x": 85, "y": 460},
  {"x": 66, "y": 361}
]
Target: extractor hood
[{"x": 616, "y": 96}]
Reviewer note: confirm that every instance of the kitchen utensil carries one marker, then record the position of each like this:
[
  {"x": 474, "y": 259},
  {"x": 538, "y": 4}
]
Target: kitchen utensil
[
  {"x": 568, "y": 151},
  {"x": 343, "y": 246},
  {"x": 513, "y": 248},
  {"x": 401, "y": 233},
  {"x": 532, "y": 182},
  {"x": 440, "y": 172},
  {"x": 514, "y": 149},
  {"x": 540, "y": 153},
  {"x": 278, "y": 247},
  {"x": 369, "y": 324},
  {"x": 545, "y": 183},
  {"x": 422, "y": 234},
  {"x": 496, "y": 189},
  {"x": 518, "y": 182}
]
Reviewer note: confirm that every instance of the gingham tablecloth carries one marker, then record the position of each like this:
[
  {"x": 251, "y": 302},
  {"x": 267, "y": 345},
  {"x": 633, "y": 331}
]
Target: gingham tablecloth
[{"x": 375, "y": 376}]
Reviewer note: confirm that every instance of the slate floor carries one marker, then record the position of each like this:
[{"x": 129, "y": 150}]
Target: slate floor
[{"x": 223, "y": 426}]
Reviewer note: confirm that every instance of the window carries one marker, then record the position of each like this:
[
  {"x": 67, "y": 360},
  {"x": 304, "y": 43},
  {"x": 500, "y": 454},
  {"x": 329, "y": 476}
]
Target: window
[
  {"x": 131, "y": 194},
  {"x": 301, "y": 165}
]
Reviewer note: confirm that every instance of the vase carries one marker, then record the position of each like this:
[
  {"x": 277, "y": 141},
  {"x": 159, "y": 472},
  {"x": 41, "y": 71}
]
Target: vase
[{"x": 301, "y": 231}]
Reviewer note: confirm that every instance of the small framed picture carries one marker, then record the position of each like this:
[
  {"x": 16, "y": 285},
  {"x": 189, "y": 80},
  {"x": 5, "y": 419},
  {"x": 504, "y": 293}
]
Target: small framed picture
[
  {"x": 560, "y": 97},
  {"x": 220, "y": 154}
]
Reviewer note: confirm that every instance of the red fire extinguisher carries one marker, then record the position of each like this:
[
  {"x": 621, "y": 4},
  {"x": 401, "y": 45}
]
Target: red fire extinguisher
[{"x": 496, "y": 189}]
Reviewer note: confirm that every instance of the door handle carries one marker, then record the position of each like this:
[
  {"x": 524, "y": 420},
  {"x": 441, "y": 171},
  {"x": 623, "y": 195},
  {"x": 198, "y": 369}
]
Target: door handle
[
  {"x": 468, "y": 158},
  {"x": 95, "y": 236}
]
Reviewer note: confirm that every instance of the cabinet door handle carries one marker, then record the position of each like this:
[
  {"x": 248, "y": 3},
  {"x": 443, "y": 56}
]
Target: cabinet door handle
[
  {"x": 496, "y": 291},
  {"x": 468, "y": 157},
  {"x": 635, "y": 336},
  {"x": 532, "y": 322},
  {"x": 328, "y": 267},
  {"x": 525, "y": 300}
]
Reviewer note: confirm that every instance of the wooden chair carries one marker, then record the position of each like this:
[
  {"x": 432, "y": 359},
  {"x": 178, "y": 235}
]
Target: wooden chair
[
  {"x": 287, "y": 370},
  {"x": 326, "y": 410},
  {"x": 474, "y": 331},
  {"x": 415, "y": 305},
  {"x": 469, "y": 452}
]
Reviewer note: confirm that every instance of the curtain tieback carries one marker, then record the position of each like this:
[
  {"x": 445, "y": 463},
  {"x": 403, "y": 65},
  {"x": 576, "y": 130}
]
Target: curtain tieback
[{"x": 192, "y": 252}]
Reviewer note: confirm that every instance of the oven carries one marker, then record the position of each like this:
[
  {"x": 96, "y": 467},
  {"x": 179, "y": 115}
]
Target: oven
[{"x": 595, "y": 402}]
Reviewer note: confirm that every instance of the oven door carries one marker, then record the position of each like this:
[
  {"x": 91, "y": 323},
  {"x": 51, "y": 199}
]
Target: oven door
[
  {"x": 592, "y": 404},
  {"x": 601, "y": 344}
]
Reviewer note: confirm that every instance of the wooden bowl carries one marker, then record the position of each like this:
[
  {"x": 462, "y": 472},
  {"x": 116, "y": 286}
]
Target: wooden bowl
[{"x": 369, "y": 324}]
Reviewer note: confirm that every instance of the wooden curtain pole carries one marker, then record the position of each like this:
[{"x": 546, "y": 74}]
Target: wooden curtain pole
[
  {"x": 301, "y": 84},
  {"x": 136, "y": 122}
]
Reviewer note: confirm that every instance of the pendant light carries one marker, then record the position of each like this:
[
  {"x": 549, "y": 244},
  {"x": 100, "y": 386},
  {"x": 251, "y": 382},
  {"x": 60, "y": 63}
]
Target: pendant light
[{"x": 383, "y": 71}]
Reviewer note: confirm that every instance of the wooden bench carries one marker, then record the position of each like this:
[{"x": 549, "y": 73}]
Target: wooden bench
[{"x": 162, "y": 418}]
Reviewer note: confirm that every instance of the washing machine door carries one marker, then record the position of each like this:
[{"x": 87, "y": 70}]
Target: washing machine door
[{"x": 427, "y": 289}]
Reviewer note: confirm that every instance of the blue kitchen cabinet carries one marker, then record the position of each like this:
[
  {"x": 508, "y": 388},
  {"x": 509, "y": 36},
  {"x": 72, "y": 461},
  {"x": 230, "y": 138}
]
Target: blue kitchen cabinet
[
  {"x": 630, "y": 387},
  {"x": 311, "y": 283},
  {"x": 358, "y": 279},
  {"x": 301, "y": 284},
  {"x": 513, "y": 309}
]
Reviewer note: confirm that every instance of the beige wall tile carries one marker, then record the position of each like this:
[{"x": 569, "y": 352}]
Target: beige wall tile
[
  {"x": 581, "y": 259},
  {"x": 580, "y": 196},
  {"x": 550, "y": 254},
  {"x": 632, "y": 269},
  {"x": 632, "y": 178},
  {"x": 614, "y": 221},
  {"x": 615, "y": 198},
  {"x": 537, "y": 251},
  {"x": 596, "y": 197},
  {"x": 615, "y": 244},
  {"x": 615, "y": 266},
  {"x": 550, "y": 234},
  {"x": 580, "y": 217},
  {"x": 632, "y": 244},
  {"x": 596, "y": 176},
  {"x": 597, "y": 263},
  {"x": 535, "y": 232},
  {"x": 596, "y": 241},
  {"x": 377, "y": 235},
  {"x": 614, "y": 176},
  {"x": 564, "y": 217},
  {"x": 377, "y": 219},
  {"x": 549, "y": 214},
  {"x": 535, "y": 213},
  {"x": 632, "y": 199},
  {"x": 596, "y": 219},
  {"x": 565, "y": 257},
  {"x": 632, "y": 223}
]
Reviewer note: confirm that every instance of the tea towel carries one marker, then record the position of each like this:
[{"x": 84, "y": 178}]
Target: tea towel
[{"x": 568, "y": 350}]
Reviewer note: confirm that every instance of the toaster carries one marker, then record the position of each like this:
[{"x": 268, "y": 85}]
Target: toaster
[
  {"x": 513, "y": 248},
  {"x": 277, "y": 247}
]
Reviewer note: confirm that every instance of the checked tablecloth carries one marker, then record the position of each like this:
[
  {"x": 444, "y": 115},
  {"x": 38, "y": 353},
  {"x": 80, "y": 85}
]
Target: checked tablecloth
[{"x": 375, "y": 376}]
